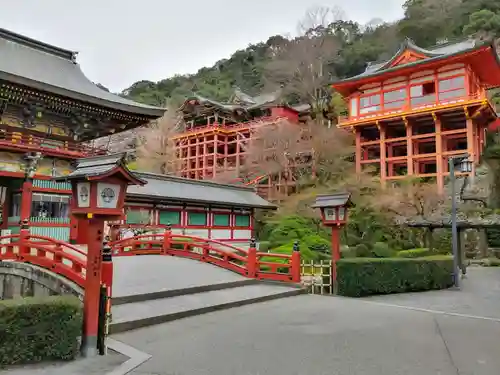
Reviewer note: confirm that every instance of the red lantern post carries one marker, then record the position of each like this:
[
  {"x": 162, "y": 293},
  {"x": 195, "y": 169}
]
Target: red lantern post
[
  {"x": 334, "y": 209},
  {"x": 99, "y": 185}
]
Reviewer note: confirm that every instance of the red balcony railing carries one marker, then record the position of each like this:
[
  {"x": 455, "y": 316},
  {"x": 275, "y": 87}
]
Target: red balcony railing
[
  {"x": 242, "y": 125},
  {"x": 30, "y": 142},
  {"x": 423, "y": 103}
]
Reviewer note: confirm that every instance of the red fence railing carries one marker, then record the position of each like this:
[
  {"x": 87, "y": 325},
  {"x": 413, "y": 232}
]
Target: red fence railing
[
  {"x": 250, "y": 263},
  {"x": 70, "y": 261},
  {"x": 44, "y": 143},
  {"x": 57, "y": 256}
]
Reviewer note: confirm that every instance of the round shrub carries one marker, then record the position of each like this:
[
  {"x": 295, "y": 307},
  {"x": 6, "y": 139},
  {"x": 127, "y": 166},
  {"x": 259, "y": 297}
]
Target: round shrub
[
  {"x": 317, "y": 243},
  {"x": 382, "y": 250},
  {"x": 362, "y": 251}
]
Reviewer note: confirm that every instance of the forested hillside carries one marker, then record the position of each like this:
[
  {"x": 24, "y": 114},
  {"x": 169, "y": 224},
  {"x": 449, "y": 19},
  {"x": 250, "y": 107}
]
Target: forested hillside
[{"x": 334, "y": 46}]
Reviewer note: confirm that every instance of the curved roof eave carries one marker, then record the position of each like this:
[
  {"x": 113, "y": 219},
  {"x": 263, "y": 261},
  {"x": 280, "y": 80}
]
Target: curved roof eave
[
  {"x": 149, "y": 111},
  {"x": 435, "y": 58}
]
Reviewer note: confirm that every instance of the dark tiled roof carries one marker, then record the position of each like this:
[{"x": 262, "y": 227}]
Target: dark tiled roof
[
  {"x": 239, "y": 101},
  {"x": 183, "y": 190},
  {"x": 437, "y": 52},
  {"x": 52, "y": 69},
  {"x": 99, "y": 165},
  {"x": 332, "y": 200}
]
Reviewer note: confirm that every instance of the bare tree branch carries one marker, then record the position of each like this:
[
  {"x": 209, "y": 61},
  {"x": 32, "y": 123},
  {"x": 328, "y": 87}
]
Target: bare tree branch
[{"x": 156, "y": 151}]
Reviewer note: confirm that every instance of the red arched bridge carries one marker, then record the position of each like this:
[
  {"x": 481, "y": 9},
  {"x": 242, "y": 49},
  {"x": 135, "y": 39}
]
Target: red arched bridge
[{"x": 70, "y": 261}]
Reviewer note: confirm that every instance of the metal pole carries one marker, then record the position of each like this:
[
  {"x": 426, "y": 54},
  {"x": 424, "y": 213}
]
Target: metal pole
[{"x": 454, "y": 231}]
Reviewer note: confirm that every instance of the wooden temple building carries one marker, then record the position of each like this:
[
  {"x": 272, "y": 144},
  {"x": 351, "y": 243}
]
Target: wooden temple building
[
  {"x": 414, "y": 111},
  {"x": 50, "y": 113},
  {"x": 216, "y": 134}
]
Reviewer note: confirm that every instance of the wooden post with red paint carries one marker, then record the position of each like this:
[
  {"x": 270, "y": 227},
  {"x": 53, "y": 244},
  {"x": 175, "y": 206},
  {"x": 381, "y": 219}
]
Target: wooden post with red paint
[
  {"x": 295, "y": 266},
  {"x": 24, "y": 235},
  {"x": 167, "y": 240},
  {"x": 335, "y": 250},
  {"x": 252, "y": 259},
  {"x": 92, "y": 286}
]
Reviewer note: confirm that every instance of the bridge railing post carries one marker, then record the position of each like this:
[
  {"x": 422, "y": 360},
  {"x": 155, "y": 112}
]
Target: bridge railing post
[
  {"x": 24, "y": 235},
  {"x": 167, "y": 240},
  {"x": 295, "y": 260},
  {"x": 252, "y": 259}
]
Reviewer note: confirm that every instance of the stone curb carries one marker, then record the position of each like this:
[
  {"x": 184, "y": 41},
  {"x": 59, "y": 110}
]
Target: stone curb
[{"x": 136, "y": 357}]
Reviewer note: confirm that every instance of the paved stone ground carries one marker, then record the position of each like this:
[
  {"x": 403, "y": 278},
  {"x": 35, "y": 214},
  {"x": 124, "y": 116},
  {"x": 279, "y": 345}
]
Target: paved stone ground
[
  {"x": 82, "y": 366},
  {"x": 479, "y": 294},
  {"x": 317, "y": 335},
  {"x": 155, "y": 273}
]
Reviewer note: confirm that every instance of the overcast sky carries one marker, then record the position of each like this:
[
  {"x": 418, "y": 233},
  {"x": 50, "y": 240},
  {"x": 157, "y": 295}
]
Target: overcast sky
[{"x": 124, "y": 41}]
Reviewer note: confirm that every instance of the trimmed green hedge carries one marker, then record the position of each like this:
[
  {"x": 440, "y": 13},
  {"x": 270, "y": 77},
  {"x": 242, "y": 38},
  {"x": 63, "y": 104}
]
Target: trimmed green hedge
[
  {"x": 358, "y": 277},
  {"x": 415, "y": 253},
  {"x": 39, "y": 329}
]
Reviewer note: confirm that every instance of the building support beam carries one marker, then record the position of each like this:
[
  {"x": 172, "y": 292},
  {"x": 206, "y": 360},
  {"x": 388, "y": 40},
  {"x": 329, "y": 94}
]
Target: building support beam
[
  {"x": 471, "y": 149},
  {"x": 409, "y": 147},
  {"x": 439, "y": 153},
  {"x": 383, "y": 156},
  {"x": 359, "y": 151}
]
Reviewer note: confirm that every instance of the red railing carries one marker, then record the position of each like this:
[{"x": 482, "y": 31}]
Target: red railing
[
  {"x": 250, "y": 263},
  {"x": 57, "y": 256},
  {"x": 242, "y": 125},
  {"x": 433, "y": 102},
  {"x": 32, "y": 142},
  {"x": 69, "y": 261}
]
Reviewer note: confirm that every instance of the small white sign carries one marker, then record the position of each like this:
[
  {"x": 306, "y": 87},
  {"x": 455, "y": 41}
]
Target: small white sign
[
  {"x": 107, "y": 195},
  {"x": 83, "y": 194}
]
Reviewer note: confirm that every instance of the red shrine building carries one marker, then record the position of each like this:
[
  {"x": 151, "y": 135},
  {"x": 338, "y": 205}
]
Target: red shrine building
[
  {"x": 216, "y": 134},
  {"x": 411, "y": 113},
  {"x": 50, "y": 115}
]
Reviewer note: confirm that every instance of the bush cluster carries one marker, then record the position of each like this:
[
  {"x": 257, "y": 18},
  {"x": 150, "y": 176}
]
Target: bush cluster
[
  {"x": 39, "y": 329},
  {"x": 415, "y": 253},
  {"x": 358, "y": 277}
]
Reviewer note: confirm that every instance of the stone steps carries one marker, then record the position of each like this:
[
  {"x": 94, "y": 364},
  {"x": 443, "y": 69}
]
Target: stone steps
[{"x": 146, "y": 310}]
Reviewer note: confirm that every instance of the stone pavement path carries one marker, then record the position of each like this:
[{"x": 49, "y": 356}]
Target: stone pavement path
[
  {"x": 154, "y": 273},
  {"x": 479, "y": 295},
  {"x": 82, "y": 366},
  {"x": 314, "y": 335}
]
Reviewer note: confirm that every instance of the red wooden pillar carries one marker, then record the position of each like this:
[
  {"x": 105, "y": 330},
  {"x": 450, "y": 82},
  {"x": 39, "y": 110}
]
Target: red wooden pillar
[
  {"x": 252, "y": 260},
  {"x": 92, "y": 286},
  {"x": 359, "y": 152},
  {"x": 82, "y": 228},
  {"x": 295, "y": 266},
  {"x": 335, "y": 249},
  {"x": 26, "y": 198}
]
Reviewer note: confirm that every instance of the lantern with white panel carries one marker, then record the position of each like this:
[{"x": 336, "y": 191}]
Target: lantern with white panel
[
  {"x": 99, "y": 185},
  {"x": 334, "y": 212}
]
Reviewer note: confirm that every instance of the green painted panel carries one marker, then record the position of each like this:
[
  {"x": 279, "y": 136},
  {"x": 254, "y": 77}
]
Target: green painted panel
[
  {"x": 14, "y": 219},
  {"x": 197, "y": 218},
  {"x": 170, "y": 217},
  {"x": 53, "y": 220},
  {"x": 49, "y": 184},
  {"x": 14, "y": 230},
  {"x": 221, "y": 220},
  {"x": 138, "y": 217},
  {"x": 57, "y": 233},
  {"x": 242, "y": 220}
]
